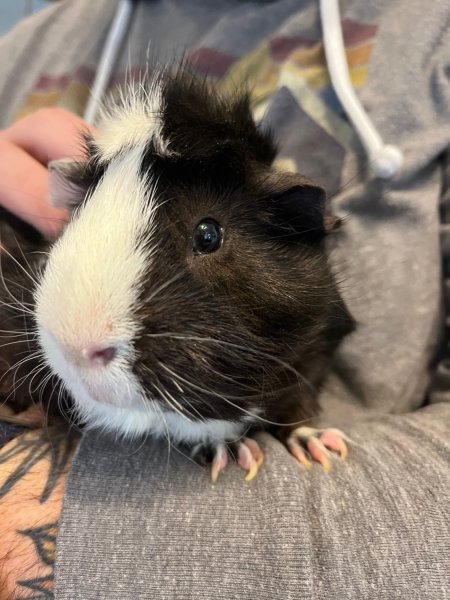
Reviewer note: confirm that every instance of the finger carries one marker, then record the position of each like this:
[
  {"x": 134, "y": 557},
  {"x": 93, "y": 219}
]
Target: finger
[
  {"x": 49, "y": 134},
  {"x": 24, "y": 190}
]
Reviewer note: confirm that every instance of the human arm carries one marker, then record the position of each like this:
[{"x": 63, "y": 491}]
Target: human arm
[
  {"x": 33, "y": 466},
  {"x": 33, "y": 471},
  {"x": 375, "y": 527}
]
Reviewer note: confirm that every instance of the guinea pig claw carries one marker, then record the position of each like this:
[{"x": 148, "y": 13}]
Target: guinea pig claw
[
  {"x": 219, "y": 462},
  {"x": 299, "y": 453},
  {"x": 249, "y": 457},
  {"x": 318, "y": 452},
  {"x": 245, "y": 452},
  {"x": 256, "y": 451},
  {"x": 333, "y": 439},
  {"x": 320, "y": 444}
]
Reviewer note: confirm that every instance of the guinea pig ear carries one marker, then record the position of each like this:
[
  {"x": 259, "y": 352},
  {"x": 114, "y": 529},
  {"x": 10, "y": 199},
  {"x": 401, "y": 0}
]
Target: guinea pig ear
[
  {"x": 296, "y": 209},
  {"x": 63, "y": 192}
]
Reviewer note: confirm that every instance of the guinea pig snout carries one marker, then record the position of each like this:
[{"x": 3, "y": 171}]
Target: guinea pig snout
[
  {"x": 85, "y": 356},
  {"x": 96, "y": 355},
  {"x": 90, "y": 356}
]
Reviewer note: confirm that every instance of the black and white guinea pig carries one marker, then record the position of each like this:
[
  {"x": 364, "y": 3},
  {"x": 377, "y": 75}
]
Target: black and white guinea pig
[{"x": 190, "y": 295}]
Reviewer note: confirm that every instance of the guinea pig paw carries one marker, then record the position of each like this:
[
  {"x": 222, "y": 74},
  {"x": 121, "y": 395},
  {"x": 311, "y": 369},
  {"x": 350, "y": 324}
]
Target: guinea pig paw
[
  {"x": 245, "y": 452},
  {"x": 320, "y": 444}
]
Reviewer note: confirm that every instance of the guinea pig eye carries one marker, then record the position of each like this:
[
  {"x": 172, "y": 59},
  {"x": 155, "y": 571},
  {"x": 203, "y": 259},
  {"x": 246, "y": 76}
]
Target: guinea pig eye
[{"x": 207, "y": 237}]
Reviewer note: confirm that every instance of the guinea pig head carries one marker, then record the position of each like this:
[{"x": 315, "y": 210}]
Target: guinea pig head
[{"x": 191, "y": 277}]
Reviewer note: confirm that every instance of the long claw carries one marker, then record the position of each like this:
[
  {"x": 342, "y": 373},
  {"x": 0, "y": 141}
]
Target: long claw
[
  {"x": 250, "y": 457},
  {"x": 252, "y": 472},
  {"x": 254, "y": 448},
  {"x": 332, "y": 440},
  {"x": 319, "y": 443},
  {"x": 318, "y": 452},
  {"x": 298, "y": 452},
  {"x": 246, "y": 452},
  {"x": 219, "y": 462},
  {"x": 247, "y": 462}
]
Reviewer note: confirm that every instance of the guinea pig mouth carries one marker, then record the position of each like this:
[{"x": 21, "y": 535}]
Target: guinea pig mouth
[
  {"x": 119, "y": 392},
  {"x": 100, "y": 398}
]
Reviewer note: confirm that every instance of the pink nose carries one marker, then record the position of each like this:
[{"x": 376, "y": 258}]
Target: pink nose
[{"x": 98, "y": 356}]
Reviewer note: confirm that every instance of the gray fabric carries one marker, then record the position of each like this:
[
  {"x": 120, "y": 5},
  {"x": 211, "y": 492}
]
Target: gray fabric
[
  {"x": 53, "y": 42},
  {"x": 140, "y": 523},
  {"x": 137, "y": 525},
  {"x": 391, "y": 248}
]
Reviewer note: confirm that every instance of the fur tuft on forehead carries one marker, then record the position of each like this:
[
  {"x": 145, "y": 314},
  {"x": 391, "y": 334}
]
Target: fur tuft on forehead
[
  {"x": 184, "y": 130},
  {"x": 199, "y": 122},
  {"x": 133, "y": 119}
]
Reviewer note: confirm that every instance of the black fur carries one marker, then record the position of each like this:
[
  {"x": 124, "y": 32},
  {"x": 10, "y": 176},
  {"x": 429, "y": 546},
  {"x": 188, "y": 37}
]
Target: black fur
[{"x": 21, "y": 258}]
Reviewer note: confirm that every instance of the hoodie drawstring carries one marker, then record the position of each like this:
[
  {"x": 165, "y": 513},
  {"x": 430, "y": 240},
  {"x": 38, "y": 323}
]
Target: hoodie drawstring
[
  {"x": 384, "y": 159},
  {"x": 113, "y": 44}
]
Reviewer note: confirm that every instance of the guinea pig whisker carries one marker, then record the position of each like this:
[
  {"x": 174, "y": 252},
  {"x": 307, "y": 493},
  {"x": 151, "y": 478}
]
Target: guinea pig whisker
[
  {"x": 17, "y": 307},
  {"x": 59, "y": 397},
  {"x": 177, "y": 407},
  {"x": 16, "y": 283},
  {"x": 65, "y": 411},
  {"x": 227, "y": 400},
  {"x": 26, "y": 352},
  {"x": 41, "y": 387},
  {"x": 162, "y": 287},
  {"x": 177, "y": 385},
  {"x": 40, "y": 367},
  {"x": 255, "y": 389},
  {"x": 69, "y": 413},
  {"x": 164, "y": 395},
  {"x": 30, "y": 270},
  {"x": 28, "y": 356},
  {"x": 12, "y": 343},
  {"x": 191, "y": 408},
  {"x": 17, "y": 382},
  {"x": 167, "y": 432},
  {"x": 11, "y": 333},
  {"x": 173, "y": 402},
  {"x": 20, "y": 363},
  {"x": 22, "y": 287},
  {"x": 25, "y": 305},
  {"x": 223, "y": 376},
  {"x": 196, "y": 387},
  {"x": 170, "y": 445},
  {"x": 245, "y": 351},
  {"x": 21, "y": 267}
]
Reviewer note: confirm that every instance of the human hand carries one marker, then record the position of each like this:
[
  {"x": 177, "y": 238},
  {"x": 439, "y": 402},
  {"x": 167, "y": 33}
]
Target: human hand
[{"x": 26, "y": 148}]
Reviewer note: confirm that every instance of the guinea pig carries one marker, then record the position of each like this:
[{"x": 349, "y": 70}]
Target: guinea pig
[{"x": 190, "y": 295}]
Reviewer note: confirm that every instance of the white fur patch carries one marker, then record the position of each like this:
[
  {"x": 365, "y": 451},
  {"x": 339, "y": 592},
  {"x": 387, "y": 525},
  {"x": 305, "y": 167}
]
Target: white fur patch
[
  {"x": 148, "y": 418},
  {"x": 135, "y": 120},
  {"x": 94, "y": 271},
  {"x": 92, "y": 281}
]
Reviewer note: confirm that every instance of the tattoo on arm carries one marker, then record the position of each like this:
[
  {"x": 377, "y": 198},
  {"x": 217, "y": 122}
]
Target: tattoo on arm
[
  {"x": 30, "y": 449},
  {"x": 33, "y": 468},
  {"x": 44, "y": 540}
]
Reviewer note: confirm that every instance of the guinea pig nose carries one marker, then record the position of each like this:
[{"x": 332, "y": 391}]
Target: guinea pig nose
[{"x": 99, "y": 356}]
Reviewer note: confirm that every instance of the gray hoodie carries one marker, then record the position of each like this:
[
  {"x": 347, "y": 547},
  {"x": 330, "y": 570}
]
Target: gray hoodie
[{"x": 379, "y": 526}]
